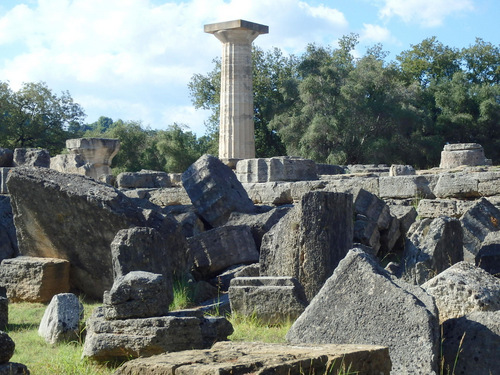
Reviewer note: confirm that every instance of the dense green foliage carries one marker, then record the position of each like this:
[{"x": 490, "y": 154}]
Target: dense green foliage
[
  {"x": 170, "y": 150},
  {"x": 325, "y": 105},
  {"x": 331, "y": 107},
  {"x": 35, "y": 117}
]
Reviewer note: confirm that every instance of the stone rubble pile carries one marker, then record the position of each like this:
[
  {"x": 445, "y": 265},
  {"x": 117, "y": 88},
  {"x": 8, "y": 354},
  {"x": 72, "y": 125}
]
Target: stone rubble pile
[{"x": 276, "y": 239}]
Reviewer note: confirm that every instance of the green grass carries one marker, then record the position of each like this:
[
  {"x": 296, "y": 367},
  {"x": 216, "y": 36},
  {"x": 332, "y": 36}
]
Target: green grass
[
  {"x": 42, "y": 358},
  {"x": 249, "y": 328}
]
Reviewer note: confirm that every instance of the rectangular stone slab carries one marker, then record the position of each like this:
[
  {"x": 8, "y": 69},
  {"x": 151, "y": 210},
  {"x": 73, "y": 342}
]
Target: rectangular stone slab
[{"x": 260, "y": 358}]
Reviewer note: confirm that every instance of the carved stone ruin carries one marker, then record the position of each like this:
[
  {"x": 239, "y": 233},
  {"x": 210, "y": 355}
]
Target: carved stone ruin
[
  {"x": 236, "y": 139},
  {"x": 458, "y": 154},
  {"x": 87, "y": 156}
]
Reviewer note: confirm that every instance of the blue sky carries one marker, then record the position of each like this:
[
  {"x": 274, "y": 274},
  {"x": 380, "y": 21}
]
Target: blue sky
[{"x": 133, "y": 59}]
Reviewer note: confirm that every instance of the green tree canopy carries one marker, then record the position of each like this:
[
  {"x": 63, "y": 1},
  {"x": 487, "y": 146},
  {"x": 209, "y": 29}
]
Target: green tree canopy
[{"x": 36, "y": 117}]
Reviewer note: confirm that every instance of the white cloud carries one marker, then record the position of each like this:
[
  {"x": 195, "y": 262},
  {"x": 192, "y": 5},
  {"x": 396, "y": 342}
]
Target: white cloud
[
  {"x": 375, "y": 34},
  {"x": 132, "y": 59},
  {"x": 428, "y": 13}
]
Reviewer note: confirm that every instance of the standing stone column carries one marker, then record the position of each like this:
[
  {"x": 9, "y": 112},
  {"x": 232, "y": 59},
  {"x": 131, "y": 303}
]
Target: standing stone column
[{"x": 236, "y": 129}]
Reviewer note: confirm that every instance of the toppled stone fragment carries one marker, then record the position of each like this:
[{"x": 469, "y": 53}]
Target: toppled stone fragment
[
  {"x": 138, "y": 294},
  {"x": 360, "y": 303},
  {"x": 259, "y": 358},
  {"x": 462, "y": 289},
  {"x": 214, "y": 190},
  {"x": 310, "y": 240},
  {"x": 432, "y": 245},
  {"x": 272, "y": 300},
  {"x": 61, "y": 320}
]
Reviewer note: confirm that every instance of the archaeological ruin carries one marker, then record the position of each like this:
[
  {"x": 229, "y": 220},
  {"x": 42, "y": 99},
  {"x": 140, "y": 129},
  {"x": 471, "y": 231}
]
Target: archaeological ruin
[{"x": 379, "y": 269}]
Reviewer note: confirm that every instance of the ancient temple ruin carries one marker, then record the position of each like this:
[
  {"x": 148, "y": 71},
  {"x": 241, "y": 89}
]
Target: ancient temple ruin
[{"x": 236, "y": 134}]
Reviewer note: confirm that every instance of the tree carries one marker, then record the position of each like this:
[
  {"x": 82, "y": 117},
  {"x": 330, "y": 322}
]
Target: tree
[
  {"x": 36, "y": 117},
  {"x": 179, "y": 148}
]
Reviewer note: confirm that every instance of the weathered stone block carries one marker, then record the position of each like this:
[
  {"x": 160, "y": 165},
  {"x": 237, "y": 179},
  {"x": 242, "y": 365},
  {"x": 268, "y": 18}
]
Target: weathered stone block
[
  {"x": 215, "y": 250},
  {"x": 259, "y": 358},
  {"x": 477, "y": 222},
  {"x": 8, "y": 239},
  {"x": 259, "y": 223},
  {"x": 214, "y": 190},
  {"x": 403, "y": 187},
  {"x": 457, "y": 185},
  {"x": 138, "y": 294},
  {"x": 169, "y": 197},
  {"x": 7, "y": 347},
  {"x": 143, "y": 179},
  {"x": 488, "y": 183},
  {"x": 471, "y": 344},
  {"x": 34, "y": 279},
  {"x": 6, "y": 157},
  {"x": 31, "y": 157},
  {"x": 4, "y": 173},
  {"x": 310, "y": 240},
  {"x": 61, "y": 320},
  {"x": 96, "y": 152},
  {"x": 401, "y": 170},
  {"x": 282, "y": 168},
  {"x": 273, "y": 193},
  {"x": 140, "y": 249},
  {"x": 488, "y": 257},
  {"x": 433, "y": 208},
  {"x": 72, "y": 217},
  {"x": 272, "y": 300},
  {"x": 455, "y": 155},
  {"x": 360, "y": 303},
  {"x": 432, "y": 245},
  {"x": 131, "y": 338},
  {"x": 329, "y": 169},
  {"x": 462, "y": 289}
]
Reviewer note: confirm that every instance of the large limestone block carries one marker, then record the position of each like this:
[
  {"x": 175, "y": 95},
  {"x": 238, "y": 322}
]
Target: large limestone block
[
  {"x": 360, "y": 303},
  {"x": 71, "y": 217},
  {"x": 310, "y": 240},
  {"x": 8, "y": 240},
  {"x": 281, "y": 168},
  {"x": 352, "y": 184},
  {"x": 259, "y": 223},
  {"x": 260, "y": 358},
  {"x": 488, "y": 183},
  {"x": 33, "y": 279},
  {"x": 471, "y": 344},
  {"x": 61, "y": 320},
  {"x": 272, "y": 300},
  {"x": 432, "y": 245},
  {"x": 457, "y": 185},
  {"x": 145, "y": 249},
  {"x": 143, "y": 179},
  {"x": 488, "y": 257},
  {"x": 432, "y": 208},
  {"x": 458, "y": 154},
  {"x": 7, "y": 347},
  {"x": 169, "y": 196},
  {"x": 462, "y": 289},
  {"x": 217, "y": 249},
  {"x": 403, "y": 187},
  {"x": 272, "y": 193},
  {"x": 6, "y": 157},
  {"x": 70, "y": 163},
  {"x": 4, "y": 173},
  {"x": 131, "y": 338},
  {"x": 215, "y": 191},
  {"x": 477, "y": 222},
  {"x": 31, "y": 157},
  {"x": 138, "y": 294},
  {"x": 96, "y": 152},
  {"x": 4, "y": 311}
]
